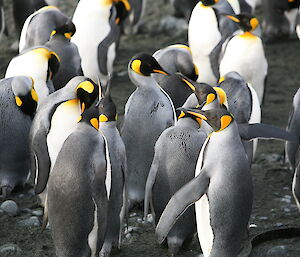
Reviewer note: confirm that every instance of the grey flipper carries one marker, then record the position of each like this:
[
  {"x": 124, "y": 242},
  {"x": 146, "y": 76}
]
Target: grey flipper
[
  {"x": 181, "y": 200},
  {"x": 266, "y": 131},
  {"x": 245, "y": 7}
]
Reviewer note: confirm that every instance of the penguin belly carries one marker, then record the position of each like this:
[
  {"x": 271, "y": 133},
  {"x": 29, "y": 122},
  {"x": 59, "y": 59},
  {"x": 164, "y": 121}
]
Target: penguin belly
[
  {"x": 203, "y": 37},
  {"x": 245, "y": 55},
  {"x": 63, "y": 123}
]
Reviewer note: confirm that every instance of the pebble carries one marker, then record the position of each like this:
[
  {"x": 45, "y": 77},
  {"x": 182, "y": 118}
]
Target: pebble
[
  {"x": 31, "y": 222},
  {"x": 200, "y": 255},
  {"x": 272, "y": 157},
  {"x": 286, "y": 209},
  {"x": 10, "y": 208},
  {"x": 9, "y": 249},
  {"x": 150, "y": 218},
  {"x": 38, "y": 213},
  {"x": 132, "y": 214},
  {"x": 278, "y": 251},
  {"x": 263, "y": 218}
]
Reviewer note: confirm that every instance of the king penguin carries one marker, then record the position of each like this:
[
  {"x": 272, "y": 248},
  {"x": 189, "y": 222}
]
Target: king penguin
[
  {"x": 70, "y": 61},
  {"x": 38, "y": 26},
  {"x": 93, "y": 26},
  {"x": 296, "y": 180},
  {"x": 18, "y": 102},
  {"x": 242, "y": 6},
  {"x": 222, "y": 217},
  {"x": 183, "y": 8},
  {"x": 117, "y": 202},
  {"x": 176, "y": 58},
  {"x": 148, "y": 112},
  {"x": 55, "y": 119},
  {"x": 244, "y": 53},
  {"x": 134, "y": 19},
  {"x": 174, "y": 163},
  {"x": 79, "y": 190},
  {"x": 40, "y": 63},
  {"x": 207, "y": 31},
  {"x": 3, "y": 28}
]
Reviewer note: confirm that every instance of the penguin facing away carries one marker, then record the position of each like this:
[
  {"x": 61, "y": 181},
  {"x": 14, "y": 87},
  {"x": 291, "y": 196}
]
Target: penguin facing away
[
  {"x": 216, "y": 170},
  {"x": 79, "y": 190},
  {"x": 174, "y": 163},
  {"x": 244, "y": 53},
  {"x": 55, "y": 119},
  {"x": 38, "y": 26},
  {"x": 70, "y": 61},
  {"x": 148, "y": 112},
  {"x": 118, "y": 196},
  {"x": 40, "y": 63},
  {"x": 18, "y": 99}
]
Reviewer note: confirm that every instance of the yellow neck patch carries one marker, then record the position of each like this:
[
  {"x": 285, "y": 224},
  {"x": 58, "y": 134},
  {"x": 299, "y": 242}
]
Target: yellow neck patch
[
  {"x": 199, "y": 121},
  {"x": 18, "y": 101},
  {"x": 126, "y": 4},
  {"x": 53, "y": 33},
  {"x": 181, "y": 115},
  {"x": 222, "y": 95},
  {"x": 189, "y": 84},
  {"x": 103, "y": 118},
  {"x": 210, "y": 98},
  {"x": 248, "y": 35},
  {"x": 221, "y": 80},
  {"x": 86, "y": 86},
  {"x": 79, "y": 119},
  {"x": 106, "y": 2},
  {"x": 181, "y": 46},
  {"x": 225, "y": 121},
  {"x": 46, "y": 53},
  {"x": 34, "y": 95},
  {"x": 136, "y": 66},
  {"x": 196, "y": 69},
  {"x": 95, "y": 123}
]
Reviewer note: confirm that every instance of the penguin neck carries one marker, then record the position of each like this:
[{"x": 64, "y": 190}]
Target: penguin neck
[
  {"x": 213, "y": 105},
  {"x": 59, "y": 37},
  {"x": 188, "y": 122},
  {"x": 108, "y": 125},
  {"x": 248, "y": 35},
  {"x": 143, "y": 82},
  {"x": 231, "y": 132}
]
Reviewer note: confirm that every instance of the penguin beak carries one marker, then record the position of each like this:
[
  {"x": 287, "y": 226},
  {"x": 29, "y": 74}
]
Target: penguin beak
[
  {"x": 126, "y": 4},
  {"x": 221, "y": 80},
  {"x": 233, "y": 18},
  {"x": 161, "y": 72},
  {"x": 195, "y": 112},
  {"x": 186, "y": 81}
]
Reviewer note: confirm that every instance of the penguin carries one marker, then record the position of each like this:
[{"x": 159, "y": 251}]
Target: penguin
[
  {"x": 244, "y": 53},
  {"x": 296, "y": 180},
  {"x": 242, "y": 6},
  {"x": 79, "y": 190},
  {"x": 207, "y": 31},
  {"x": 3, "y": 27},
  {"x": 54, "y": 121},
  {"x": 70, "y": 61},
  {"x": 174, "y": 163},
  {"x": 176, "y": 58},
  {"x": 18, "y": 99},
  {"x": 183, "y": 9},
  {"x": 293, "y": 126},
  {"x": 117, "y": 202},
  {"x": 279, "y": 19},
  {"x": 40, "y": 63},
  {"x": 222, "y": 165},
  {"x": 298, "y": 23},
  {"x": 38, "y": 26},
  {"x": 95, "y": 23},
  {"x": 134, "y": 19},
  {"x": 148, "y": 112}
]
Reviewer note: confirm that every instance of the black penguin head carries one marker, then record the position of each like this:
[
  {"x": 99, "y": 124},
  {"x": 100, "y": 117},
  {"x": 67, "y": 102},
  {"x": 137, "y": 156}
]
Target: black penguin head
[
  {"x": 107, "y": 108},
  {"x": 90, "y": 117},
  {"x": 67, "y": 30},
  {"x": 218, "y": 119},
  {"x": 123, "y": 8},
  {"x": 25, "y": 96},
  {"x": 245, "y": 21},
  {"x": 145, "y": 64},
  {"x": 87, "y": 92},
  {"x": 209, "y": 2},
  {"x": 292, "y": 4}
]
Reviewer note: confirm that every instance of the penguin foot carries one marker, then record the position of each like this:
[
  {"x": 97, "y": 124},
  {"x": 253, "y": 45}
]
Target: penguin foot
[
  {"x": 104, "y": 254},
  {"x": 6, "y": 191}
]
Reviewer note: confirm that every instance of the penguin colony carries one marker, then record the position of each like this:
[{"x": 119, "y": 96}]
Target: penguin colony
[{"x": 189, "y": 135}]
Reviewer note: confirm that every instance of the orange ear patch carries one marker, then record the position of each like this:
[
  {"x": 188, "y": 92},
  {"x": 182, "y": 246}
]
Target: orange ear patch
[{"x": 225, "y": 121}]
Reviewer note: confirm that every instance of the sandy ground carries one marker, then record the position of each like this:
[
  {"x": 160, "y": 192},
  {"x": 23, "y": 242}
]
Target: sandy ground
[{"x": 273, "y": 206}]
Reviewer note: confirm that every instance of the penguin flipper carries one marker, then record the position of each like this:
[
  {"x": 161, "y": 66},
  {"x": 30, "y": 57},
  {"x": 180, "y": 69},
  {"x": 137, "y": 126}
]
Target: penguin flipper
[
  {"x": 180, "y": 201},
  {"x": 42, "y": 161},
  {"x": 265, "y": 131}
]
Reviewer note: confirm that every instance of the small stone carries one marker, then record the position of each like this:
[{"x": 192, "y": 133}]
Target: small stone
[
  {"x": 285, "y": 200},
  {"x": 272, "y": 157},
  {"x": 9, "y": 249},
  {"x": 10, "y": 208},
  {"x": 279, "y": 224},
  {"x": 132, "y": 215},
  {"x": 31, "y": 222},
  {"x": 278, "y": 251},
  {"x": 21, "y": 195},
  {"x": 38, "y": 213},
  {"x": 286, "y": 209},
  {"x": 139, "y": 220},
  {"x": 150, "y": 218},
  {"x": 128, "y": 236},
  {"x": 263, "y": 218},
  {"x": 31, "y": 192}
]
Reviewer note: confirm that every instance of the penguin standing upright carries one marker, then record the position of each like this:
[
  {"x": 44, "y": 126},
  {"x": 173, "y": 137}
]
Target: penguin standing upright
[
  {"x": 79, "y": 189},
  {"x": 176, "y": 58},
  {"x": 93, "y": 23},
  {"x": 173, "y": 165},
  {"x": 134, "y": 20},
  {"x": 55, "y": 119},
  {"x": 183, "y": 8},
  {"x": 70, "y": 62},
  {"x": 3, "y": 28},
  {"x": 222, "y": 190},
  {"x": 40, "y": 63},
  {"x": 148, "y": 112},
  {"x": 242, "y": 6},
  {"x": 18, "y": 101},
  {"x": 117, "y": 201},
  {"x": 38, "y": 26},
  {"x": 207, "y": 31},
  {"x": 244, "y": 53}
]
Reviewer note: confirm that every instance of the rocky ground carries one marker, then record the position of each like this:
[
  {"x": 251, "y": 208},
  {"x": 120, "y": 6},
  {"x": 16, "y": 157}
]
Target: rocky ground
[{"x": 274, "y": 206}]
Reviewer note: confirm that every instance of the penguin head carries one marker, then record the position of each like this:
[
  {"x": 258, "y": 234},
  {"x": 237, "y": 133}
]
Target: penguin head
[
  {"x": 90, "y": 117},
  {"x": 87, "y": 92},
  {"x": 247, "y": 22},
  {"x": 218, "y": 119},
  {"x": 292, "y": 4},
  {"x": 107, "y": 108},
  {"x": 67, "y": 30},
  {"x": 25, "y": 96},
  {"x": 123, "y": 8},
  {"x": 209, "y": 2},
  {"x": 145, "y": 64}
]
